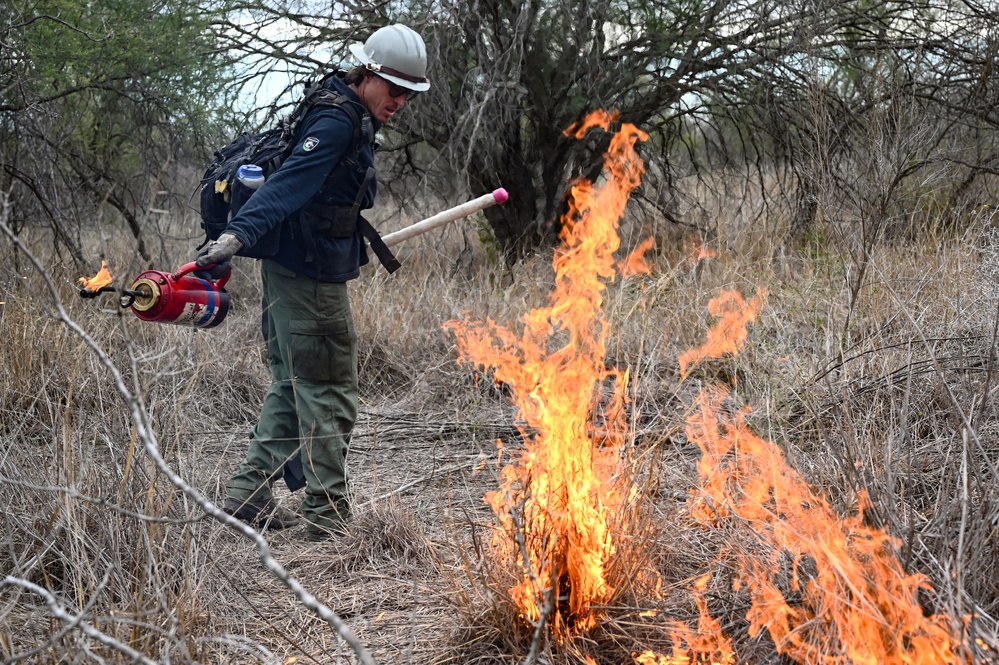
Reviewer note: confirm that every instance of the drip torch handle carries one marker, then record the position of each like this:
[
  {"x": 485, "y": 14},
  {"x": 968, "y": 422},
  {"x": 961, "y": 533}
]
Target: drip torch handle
[{"x": 191, "y": 267}]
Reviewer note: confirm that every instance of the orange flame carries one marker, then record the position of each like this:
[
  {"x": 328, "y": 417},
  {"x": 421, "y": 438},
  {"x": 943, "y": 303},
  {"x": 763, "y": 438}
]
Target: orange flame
[
  {"x": 856, "y": 603},
  {"x": 101, "y": 279},
  {"x": 729, "y": 334},
  {"x": 555, "y": 501},
  {"x": 708, "y": 644},
  {"x": 635, "y": 263},
  {"x": 852, "y": 600}
]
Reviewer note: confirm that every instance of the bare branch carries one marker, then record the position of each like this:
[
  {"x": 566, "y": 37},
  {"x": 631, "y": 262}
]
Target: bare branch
[{"x": 73, "y": 620}]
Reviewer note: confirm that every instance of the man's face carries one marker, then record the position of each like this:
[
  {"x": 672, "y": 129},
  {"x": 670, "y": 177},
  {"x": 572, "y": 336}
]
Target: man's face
[{"x": 383, "y": 98}]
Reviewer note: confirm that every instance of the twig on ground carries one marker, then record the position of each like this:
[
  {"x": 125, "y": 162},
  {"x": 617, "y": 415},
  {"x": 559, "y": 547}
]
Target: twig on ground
[{"x": 402, "y": 488}]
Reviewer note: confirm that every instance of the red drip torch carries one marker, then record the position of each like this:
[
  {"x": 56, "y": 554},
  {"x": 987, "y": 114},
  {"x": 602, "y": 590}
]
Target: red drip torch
[{"x": 178, "y": 297}]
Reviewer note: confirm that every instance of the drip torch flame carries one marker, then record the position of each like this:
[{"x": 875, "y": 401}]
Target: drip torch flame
[
  {"x": 556, "y": 500},
  {"x": 100, "y": 280}
]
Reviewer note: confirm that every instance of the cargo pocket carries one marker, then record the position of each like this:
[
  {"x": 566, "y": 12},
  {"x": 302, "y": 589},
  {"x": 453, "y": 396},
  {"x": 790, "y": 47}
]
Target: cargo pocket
[{"x": 321, "y": 351}]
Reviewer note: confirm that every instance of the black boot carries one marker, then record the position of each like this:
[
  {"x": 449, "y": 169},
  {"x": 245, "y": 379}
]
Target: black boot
[{"x": 260, "y": 513}]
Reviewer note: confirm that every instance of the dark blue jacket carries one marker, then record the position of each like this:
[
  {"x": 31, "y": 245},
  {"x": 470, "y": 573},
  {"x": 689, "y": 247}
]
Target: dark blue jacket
[{"x": 322, "y": 140}]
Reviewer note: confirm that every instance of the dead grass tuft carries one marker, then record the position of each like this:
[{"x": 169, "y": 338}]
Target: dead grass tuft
[{"x": 391, "y": 531}]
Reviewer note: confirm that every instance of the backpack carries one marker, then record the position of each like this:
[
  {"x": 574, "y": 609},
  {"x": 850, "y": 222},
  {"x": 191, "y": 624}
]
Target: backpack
[{"x": 222, "y": 193}]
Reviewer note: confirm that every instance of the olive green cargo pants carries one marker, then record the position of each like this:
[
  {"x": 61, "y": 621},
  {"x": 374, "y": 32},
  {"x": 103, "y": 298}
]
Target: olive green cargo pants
[{"x": 311, "y": 405}]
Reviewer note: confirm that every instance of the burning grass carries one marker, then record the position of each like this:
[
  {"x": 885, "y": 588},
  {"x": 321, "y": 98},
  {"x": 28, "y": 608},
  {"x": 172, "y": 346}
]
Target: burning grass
[
  {"x": 853, "y": 603},
  {"x": 556, "y": 498}
]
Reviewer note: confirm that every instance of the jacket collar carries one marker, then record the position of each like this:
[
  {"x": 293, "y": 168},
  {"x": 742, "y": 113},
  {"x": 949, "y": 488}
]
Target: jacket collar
[{"x": 338, "y": 84}]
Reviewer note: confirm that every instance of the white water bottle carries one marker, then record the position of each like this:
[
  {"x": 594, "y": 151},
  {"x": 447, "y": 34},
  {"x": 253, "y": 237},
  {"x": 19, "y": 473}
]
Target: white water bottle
[{"x": 250, "y": 175}]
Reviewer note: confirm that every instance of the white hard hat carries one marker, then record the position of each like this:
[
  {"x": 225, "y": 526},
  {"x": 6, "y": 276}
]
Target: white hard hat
[{"x": 397, "y": 54}]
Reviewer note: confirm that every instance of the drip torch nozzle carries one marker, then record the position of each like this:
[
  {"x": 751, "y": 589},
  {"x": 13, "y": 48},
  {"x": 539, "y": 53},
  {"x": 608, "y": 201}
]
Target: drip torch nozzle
[
  {"x": 127, "y": 296},
  {"x": 87, "y": 293}
]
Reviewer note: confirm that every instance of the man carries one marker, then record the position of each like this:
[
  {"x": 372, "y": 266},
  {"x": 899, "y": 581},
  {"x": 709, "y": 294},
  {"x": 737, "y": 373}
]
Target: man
[{"x": 313, "y": 200}]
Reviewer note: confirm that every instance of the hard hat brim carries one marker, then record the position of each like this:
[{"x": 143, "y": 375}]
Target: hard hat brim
[{"x": 358, "y": 50}]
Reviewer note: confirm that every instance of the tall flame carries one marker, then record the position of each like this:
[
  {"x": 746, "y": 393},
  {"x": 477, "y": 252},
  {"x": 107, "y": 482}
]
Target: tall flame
[
  {"x": 101, "y": 279},
  {"x": 555, "y": 501}
]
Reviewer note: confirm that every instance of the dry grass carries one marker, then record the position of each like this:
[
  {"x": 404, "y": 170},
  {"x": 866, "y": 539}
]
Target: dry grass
[{"x": 891, "y": 390}]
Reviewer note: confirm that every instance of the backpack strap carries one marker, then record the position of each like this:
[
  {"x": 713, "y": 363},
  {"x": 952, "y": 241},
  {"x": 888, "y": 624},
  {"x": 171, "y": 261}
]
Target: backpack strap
[
  {"x": 378, "y": 246},
  {"x": 363, "y": 134}
]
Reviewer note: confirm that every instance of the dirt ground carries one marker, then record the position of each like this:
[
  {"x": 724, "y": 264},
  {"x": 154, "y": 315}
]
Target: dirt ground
[{"x": 418, "y": 483}]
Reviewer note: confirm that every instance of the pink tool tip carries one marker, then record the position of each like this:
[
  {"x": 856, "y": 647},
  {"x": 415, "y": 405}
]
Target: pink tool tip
[{"x": 500, "y": 195}]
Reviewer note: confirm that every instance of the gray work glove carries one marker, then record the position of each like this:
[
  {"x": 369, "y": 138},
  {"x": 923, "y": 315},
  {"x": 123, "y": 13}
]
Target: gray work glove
[
  {"x": 219, "y": 252},
  {"x": 215, "y": 273}
]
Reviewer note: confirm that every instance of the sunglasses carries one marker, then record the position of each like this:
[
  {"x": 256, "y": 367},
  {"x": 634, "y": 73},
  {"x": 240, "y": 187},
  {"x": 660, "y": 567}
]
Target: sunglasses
[{"x": 395, "y": 90}]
